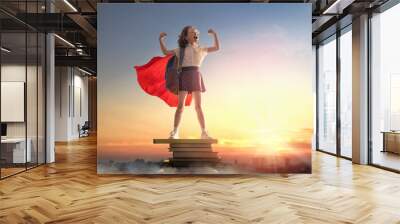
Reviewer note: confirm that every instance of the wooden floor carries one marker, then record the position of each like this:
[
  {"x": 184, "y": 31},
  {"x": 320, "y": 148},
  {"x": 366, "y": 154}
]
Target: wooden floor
[
  {"x": 387, "y": 159},
  {"x": 70, "y": 191},
  {"x": 5, "y": 172}
]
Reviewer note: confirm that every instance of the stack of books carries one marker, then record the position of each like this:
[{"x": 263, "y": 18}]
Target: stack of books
[{"x": 191, "y": 152}]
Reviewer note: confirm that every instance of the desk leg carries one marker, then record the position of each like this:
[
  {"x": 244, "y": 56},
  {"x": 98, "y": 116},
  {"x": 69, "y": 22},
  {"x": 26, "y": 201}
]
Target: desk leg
[{"x": 384, "y": 142}]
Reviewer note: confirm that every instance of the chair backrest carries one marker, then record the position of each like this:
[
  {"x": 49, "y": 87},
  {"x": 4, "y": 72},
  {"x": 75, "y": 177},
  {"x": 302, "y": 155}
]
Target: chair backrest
[{"x": 86, "y": 124}]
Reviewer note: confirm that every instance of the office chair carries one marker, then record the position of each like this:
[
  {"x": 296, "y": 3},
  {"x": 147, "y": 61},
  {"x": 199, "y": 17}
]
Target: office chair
[{"x": 84, "y": 130}]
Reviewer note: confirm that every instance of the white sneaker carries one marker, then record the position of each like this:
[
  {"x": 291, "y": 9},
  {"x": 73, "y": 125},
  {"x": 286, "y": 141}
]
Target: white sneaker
[
  {"x": 173, "y": 135},
  {"x": 204, "y": 135}
]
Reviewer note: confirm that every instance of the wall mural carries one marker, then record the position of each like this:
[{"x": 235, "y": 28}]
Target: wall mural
[{"x": 204, "y": 88}]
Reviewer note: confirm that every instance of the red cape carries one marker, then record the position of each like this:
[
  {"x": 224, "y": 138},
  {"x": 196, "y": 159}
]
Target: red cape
[{"x": 151, "y": 78}]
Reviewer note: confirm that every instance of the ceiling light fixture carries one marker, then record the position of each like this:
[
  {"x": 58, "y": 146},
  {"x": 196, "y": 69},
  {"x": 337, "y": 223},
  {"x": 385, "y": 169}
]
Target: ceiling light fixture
[
  {"x": 64, "y": 40},
  {"x": 84, "y": 71},
  {"x": 70, "y": 5},
  {"x": 5, "y": 50}
]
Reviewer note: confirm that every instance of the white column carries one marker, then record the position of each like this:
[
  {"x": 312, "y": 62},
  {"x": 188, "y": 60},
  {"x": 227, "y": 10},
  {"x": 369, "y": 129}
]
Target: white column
[
  {"x": 360, "y": 90},
  {"x": 63, "y": 101},
  {"x": 50, "y": 90},
  {"x": 50, "y": 107}
]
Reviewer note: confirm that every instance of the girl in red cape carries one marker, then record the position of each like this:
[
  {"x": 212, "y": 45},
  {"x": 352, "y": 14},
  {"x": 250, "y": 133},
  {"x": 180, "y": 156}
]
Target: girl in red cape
[{"x": 190, "y": 78}]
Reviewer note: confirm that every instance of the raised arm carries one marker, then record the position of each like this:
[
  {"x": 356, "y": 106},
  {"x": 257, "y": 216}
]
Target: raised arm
[
  {"x": 216, "y": 42},
  {"x": 162, "y": 44}
]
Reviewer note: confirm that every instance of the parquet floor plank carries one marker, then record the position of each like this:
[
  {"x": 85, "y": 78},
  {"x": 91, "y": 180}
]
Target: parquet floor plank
[{"x": 70, "y": 191}]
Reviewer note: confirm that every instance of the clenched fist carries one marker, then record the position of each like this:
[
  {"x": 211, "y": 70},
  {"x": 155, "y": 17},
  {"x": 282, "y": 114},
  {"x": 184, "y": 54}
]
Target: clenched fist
[
  {"x": 211, "y": 31},
  {"x": 162, "y": 35}
]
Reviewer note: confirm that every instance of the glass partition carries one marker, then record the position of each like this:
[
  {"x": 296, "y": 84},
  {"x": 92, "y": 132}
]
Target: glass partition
[
  {"x": 385, "y": 89},
  {"x": 327, "y": 95},
  {"x": 22, "y": 77},
  {"x": 346, "y": 92},
  {"x": 13, "y": 109},
  {"x": 41, "y": 88},
  {"x": 31, "y": 99}
]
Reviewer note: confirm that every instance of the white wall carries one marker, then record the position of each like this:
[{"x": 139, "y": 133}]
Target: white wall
[
  {"x": 80, "y": 110},
  {"x": 62, "y": 81},
  {"x": 12, "y": 73},
  {"x": 71, "y": 93}
]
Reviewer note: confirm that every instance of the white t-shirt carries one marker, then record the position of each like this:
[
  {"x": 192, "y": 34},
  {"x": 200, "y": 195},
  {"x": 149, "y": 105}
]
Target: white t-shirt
[{"x": 194, "y": 55}]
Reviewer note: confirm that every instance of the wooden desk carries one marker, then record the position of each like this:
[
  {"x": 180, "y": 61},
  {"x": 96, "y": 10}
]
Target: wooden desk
[{"x": 391, "y": 141}]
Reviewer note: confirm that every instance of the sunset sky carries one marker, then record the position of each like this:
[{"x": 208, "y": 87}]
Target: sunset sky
[{"x": 259, "y": 93}]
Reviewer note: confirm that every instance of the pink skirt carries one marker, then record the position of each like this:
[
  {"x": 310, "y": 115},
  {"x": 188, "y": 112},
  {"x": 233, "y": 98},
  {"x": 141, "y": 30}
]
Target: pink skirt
[{"x": 190, "y": 80}]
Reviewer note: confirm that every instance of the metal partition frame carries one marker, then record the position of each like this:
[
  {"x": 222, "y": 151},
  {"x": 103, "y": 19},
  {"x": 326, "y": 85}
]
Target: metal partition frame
[
  {"x": 338, "y": 34},
  {"x": 44, "y": 75}
]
